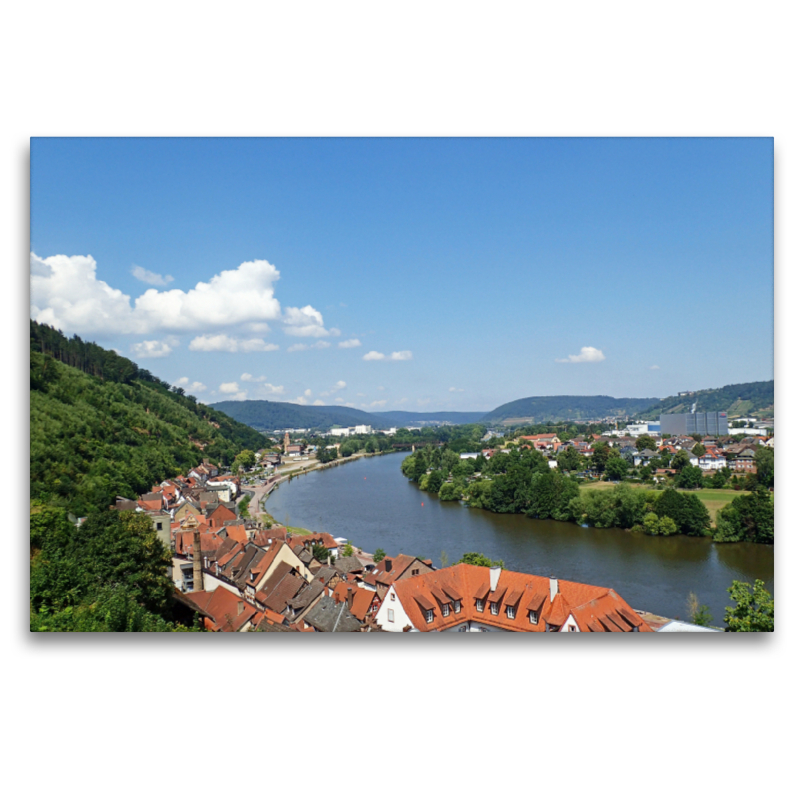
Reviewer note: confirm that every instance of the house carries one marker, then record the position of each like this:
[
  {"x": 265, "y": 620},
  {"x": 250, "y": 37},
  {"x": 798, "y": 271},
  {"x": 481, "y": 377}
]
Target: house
[
  {"x": 217, "y": 515},
  {"x": 389, "y": 570},
  {"x": 328, "y": 616},
  {"x": 360, "y": 602},
  {"x": 223, "y": 611},
  {"x": 549, "y": 441},
  {"x": 469, "y": 599}
]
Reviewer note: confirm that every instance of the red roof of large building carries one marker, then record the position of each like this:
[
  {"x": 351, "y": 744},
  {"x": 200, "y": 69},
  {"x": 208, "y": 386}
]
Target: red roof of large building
[{"x": 594, "y": 608}]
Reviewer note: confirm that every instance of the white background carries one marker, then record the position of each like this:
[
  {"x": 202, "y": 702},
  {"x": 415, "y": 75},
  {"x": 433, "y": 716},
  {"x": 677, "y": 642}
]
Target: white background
[{"x": 482, "y": 716}]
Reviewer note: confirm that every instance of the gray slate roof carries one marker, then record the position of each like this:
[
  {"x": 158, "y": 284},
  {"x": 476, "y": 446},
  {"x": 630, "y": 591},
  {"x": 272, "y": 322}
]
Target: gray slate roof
[{"x": 329, "y": 616}]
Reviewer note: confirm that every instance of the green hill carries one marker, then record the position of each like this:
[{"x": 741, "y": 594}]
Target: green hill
[
  {"x": 737, "y": 399},
  {"x": 102, "y": 427},
  {"x": 265, "y": 415},
  {"x": 534, "y": 410}
]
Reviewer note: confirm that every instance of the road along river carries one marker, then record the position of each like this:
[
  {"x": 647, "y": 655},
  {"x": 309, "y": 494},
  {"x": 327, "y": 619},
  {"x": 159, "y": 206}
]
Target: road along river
[{"x": 370, "y": 502}]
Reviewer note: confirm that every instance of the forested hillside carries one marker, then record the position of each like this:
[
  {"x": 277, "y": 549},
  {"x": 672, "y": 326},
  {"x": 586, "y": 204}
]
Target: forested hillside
[
  {"x": 567, "y": 407},
  {"x": 265, "y": 415},
  {"x": 737, "y": 399},
  {"x": 103, "y": 427}
]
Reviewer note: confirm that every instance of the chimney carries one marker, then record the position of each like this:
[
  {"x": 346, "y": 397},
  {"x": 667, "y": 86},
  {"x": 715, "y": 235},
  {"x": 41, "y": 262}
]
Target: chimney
[
  {"x": 553, "y": 588},
  {"x": 197, "y": 570},
  {"x": 349, "y": 597},
  {"x": 494, "y": 577},
  {"x": 388, "y": 562},
  {"x": 329, "y": 559}
]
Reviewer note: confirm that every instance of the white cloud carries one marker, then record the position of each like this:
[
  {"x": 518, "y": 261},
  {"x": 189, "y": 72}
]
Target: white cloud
[
  {"x": 295, "y": 348},
  {"x": 424, "y": 402},
  {"x": 338, "y": 399},
  {"x": 239, "y": 396},
  {"x": 340, "y": 385},
  {"x": 153, "y": 278},
  {"x": 318, "y": 403},
  {"x": 270, "y": 389},
  {"x": 402, "y": 355},
  {"x": 655, "y": 366},
  {"x": 222, "y": 343},
  {"x": 308, "y": 392},
  {"x": 360, "y": 394},
  {"x": 350, "y": 343},
  {"x": 66, "y": 293},
  {"x": 373, "y": 355},
  {"x": 299, "y": 400},
  {"x": 381, "y": 388},
  {"x": 151, "y": 349},
  {"x": 248, "y": 378},
  {"x": 587, "y": 354},
  {"x": 194, "y": 386},
  {"x": 453, "y": 389},
  {"x": 229, "y": 388},
  {"x": 258, "y": 327},
  {"x": 306, "y": 321},
  {"x": 377, "y": 403}
]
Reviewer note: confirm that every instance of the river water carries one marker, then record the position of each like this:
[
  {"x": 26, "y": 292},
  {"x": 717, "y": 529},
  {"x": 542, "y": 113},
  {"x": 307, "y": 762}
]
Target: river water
[{"x": 370, "y": 502}]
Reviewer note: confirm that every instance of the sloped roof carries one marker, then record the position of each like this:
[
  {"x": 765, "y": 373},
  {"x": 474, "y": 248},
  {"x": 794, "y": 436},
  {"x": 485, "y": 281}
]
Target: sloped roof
[
  {"x": 600, "y": 606},
  {"x": 329, "y": 616}
]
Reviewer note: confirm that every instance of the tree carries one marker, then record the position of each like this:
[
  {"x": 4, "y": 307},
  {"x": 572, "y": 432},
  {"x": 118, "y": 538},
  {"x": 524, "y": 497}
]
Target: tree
[
  {"x": 680, "y": 460},
  {"x": 689, "y": 478},
  {"x": 699, "y": 615},
  {"x": 379, "y": 555},
  {"x": 321, "y": 553},
  {"x": 601, "y": 452},
  {"x": 688, "y": 511},
  {"x": 698, "y": 450},
  {"x": 479, "y": 560},
  {"x": 645, "y": 442},
  {"x": 753, "y": 610},
  {"x": 246, "y": 459},
  {"x": 658, "y": 526},
  {"x": 570, "y": 459},
  {"x": 348, "y": 549},
  {"x": 616, "y": 468},
  {"x": 765, "y": 466},
  {"x": 748, "y": 518}
]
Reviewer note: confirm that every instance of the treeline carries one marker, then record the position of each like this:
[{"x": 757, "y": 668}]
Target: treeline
[
  {"x": 522, "y": 482},
  {"x": 108, "y": 574},
  {"x": 93, "y": 439}
]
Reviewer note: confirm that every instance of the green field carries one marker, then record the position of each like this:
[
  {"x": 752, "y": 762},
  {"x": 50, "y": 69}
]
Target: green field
[{"x": 712, "y": 499}]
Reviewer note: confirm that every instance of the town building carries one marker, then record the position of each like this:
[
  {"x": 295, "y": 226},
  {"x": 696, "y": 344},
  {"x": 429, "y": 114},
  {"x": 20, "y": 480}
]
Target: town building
[
  {"x": 465, "y": 598},
  {"x": 714, "y": 423}
]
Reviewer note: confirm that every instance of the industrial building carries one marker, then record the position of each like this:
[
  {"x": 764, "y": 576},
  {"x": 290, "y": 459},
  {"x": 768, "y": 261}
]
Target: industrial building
[{"x": 712, "y": 423}]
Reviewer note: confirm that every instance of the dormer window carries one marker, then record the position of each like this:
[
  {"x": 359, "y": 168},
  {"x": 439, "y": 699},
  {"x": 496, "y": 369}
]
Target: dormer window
[
  {"x": 479, "y": 605},
  {"x": 533, "y": 617},
  {"x": 428, "y": 616},
  {"x": 446, "y": 610},
  {"x": 511, "y": 612},
  {"x": 493, "y": 609},
  {"x": 457, "y": 606}
]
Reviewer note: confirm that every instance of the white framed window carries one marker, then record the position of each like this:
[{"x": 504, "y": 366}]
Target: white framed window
[
  {"x": 446, "y": 610},
  {"x": 429, "y": 616},
  {"x": 391, "y": 615},
  {"x": 457, "y": 606},
  {"x": 511, "y": 612},
  {"x": 533, "y": 617},
  {"x": 493, "y": 609},
  {"x": 479, "y": 605}
]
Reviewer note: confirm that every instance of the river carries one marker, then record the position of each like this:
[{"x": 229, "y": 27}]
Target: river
[{"x": 370, "y": 502}]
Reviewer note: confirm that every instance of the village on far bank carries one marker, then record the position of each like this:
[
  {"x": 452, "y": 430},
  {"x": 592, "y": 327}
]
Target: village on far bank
[{"x": 235, "y": 568}]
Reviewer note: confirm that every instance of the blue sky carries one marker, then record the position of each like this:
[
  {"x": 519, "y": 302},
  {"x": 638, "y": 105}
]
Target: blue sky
[{"x": 419, "y": 274}]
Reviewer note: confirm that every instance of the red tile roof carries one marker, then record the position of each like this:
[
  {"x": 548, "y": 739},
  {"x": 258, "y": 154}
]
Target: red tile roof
[{"x": 592, "y": 607}]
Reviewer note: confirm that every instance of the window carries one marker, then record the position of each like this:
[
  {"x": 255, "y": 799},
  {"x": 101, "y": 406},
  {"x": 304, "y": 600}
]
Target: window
[
  {"x": 533, "y": 617},
  {"x": 446, "y": 610},
  {"x": 493, "y": 608},
  {"x": 511, "y": 612},
  {"x": 393, "y": 597},
  {"x": 429, "y": 616},
  {"x": 457, "y": 606},
  {"x": 391, "y": 615},
  {"x": 572, "y": 629},
  {"x": 159, "y": 526},
  {"x": 479, "y": 605},
  {"x": 415, "y": 572}
]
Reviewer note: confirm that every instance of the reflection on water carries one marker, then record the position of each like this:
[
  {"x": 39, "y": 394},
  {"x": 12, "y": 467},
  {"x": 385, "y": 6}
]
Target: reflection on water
[{"x": 370, "y": 502}]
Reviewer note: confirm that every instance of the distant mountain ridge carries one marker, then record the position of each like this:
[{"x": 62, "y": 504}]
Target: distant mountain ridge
[
  {"x": 736, "y": 399},
  {"x": 741, "y": 398},
  {"x": 556, "y": 408}
]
